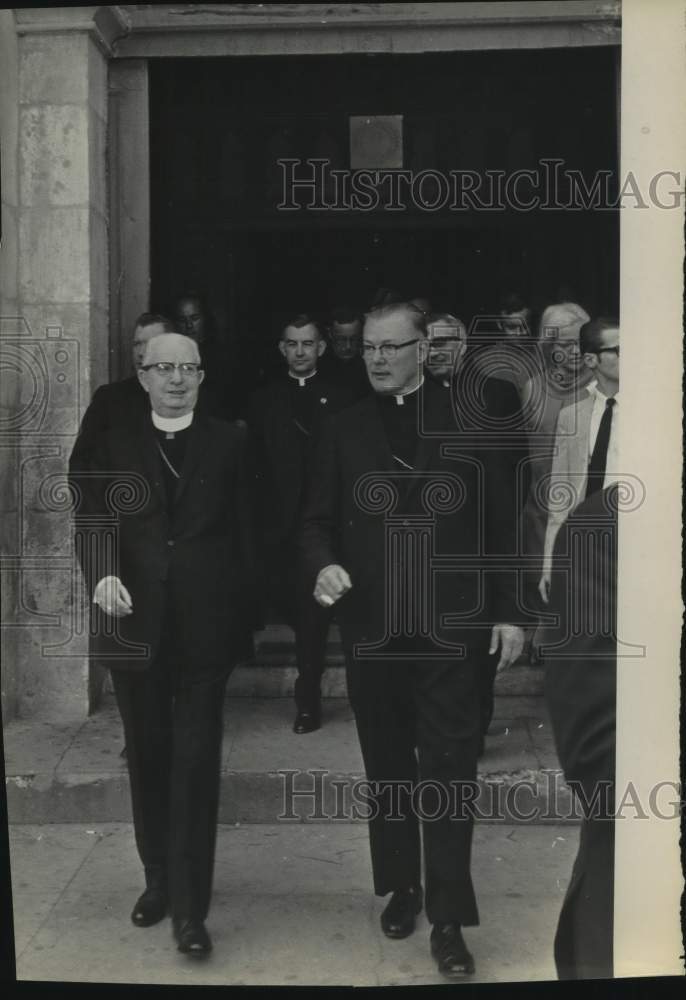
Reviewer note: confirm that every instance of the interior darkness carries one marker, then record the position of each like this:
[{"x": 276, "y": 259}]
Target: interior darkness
[{"x": 218, "y": 127}]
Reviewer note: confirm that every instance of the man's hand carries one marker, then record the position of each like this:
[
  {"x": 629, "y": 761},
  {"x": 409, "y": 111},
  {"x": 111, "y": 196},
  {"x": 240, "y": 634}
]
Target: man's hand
[
  {"x": 112, "y": 596},
  {"x": 332, "y": 583},
  {"x": 510, "y": 638}
]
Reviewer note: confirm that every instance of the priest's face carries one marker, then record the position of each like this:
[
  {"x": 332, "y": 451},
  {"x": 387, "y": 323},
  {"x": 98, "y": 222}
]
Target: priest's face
[
  {"x": 394, "y": 351},
  {"x": 171, "y": 374},
  {"x": 302, "y": 347}
]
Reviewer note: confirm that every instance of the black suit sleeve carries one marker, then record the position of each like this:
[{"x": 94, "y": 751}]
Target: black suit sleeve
[
  {"x": 94, "y": 423},
  {"x": 505, "y": 495},
  {"x": 580, "y": 681},
  {"x": 500, "y": 537},
  {"x": 318, "y": 539},
  {"x": 246, "y": 524},
  {"x": 89, "y": 479}
]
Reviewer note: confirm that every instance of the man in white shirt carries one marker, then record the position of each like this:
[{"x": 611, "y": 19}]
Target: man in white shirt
[{"x": 586, "y": 436}]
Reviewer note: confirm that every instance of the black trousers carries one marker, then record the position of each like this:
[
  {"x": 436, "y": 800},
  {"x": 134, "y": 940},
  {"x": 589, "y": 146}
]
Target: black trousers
[
  {"x": 173, "y": 732},
  {"x": 289, "y": 590},
  {"x": 418, "y": 726},
  {"x": 485, "y": 677},
  {"x": 584, "y": 937}
]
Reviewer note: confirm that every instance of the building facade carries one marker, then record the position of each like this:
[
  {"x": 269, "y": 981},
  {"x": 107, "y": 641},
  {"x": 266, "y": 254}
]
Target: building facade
[{"x": 88, "y": 242}]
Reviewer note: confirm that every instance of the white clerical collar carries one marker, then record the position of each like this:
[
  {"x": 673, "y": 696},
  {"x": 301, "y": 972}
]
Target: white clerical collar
[
  {"x": 594, "y": 389},
  {"x": 172, "y": 424},
  {"x": 302, "y": 379},
  {"x": 408, "y": 392}
]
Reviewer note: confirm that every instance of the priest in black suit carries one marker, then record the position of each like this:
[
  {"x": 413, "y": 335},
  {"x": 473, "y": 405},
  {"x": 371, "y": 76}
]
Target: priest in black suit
[
  {"x": 393, "y": 533},
  {"x": 283, "y": 420},
  {"x": 488, "y": 410},
  {"x": 164, "y": 542}
]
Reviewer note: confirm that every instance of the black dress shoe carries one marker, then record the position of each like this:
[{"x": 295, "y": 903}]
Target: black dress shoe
[
  {"x": 398, "y": 919},
  {"x": 307, "y": 722},
  {"x": 150, "y": 908},
  {"x": 192, "y": 937},
  {"x": 451, "y": 953}
]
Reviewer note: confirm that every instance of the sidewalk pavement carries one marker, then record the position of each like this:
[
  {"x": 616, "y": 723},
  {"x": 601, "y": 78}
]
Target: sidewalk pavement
[
  {"x": 292, "y": 904},
  {"x": 73, "y": 772}
]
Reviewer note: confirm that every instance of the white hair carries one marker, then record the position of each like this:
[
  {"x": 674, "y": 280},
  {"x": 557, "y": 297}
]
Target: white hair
[{"x": 567, "y": 316}]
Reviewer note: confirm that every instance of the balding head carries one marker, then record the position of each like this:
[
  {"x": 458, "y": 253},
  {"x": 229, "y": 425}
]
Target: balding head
[{"x": 159, "y": 346}]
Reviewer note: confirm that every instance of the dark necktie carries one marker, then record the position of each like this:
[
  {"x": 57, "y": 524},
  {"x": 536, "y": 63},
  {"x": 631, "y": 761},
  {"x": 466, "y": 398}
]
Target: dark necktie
[{"x": 596, "y": 467}]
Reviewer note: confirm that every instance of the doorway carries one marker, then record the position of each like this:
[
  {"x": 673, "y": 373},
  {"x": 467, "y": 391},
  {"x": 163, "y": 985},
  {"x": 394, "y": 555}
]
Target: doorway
[{"x": 219, "y": 127}]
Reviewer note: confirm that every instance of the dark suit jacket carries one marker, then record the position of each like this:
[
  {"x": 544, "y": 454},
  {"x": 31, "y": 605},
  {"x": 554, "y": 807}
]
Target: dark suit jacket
[
  {"x": 348, "y": 507},
  {"x": 280, "y": 452},
  {"x": 200, "y": 557},
  {"x": 350, "y": 375},
  {"x": 581, "y": 662},
  {"x": 109, "y": 406},
  {"x": 488, "y": 413}
]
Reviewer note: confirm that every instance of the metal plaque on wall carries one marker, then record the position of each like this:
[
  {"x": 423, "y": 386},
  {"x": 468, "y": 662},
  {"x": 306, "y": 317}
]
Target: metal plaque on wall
[{"x": 376, "y": 141}]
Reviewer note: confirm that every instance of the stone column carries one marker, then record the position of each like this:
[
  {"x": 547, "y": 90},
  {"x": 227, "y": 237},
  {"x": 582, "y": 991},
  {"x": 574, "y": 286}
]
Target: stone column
[
  {"x": 55, "y": 342},
  {"x": 9, "y": 296}
]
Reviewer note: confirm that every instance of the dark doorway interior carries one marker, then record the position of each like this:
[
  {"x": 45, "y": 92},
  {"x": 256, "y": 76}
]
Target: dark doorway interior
[{"x": 219, "y": 126}]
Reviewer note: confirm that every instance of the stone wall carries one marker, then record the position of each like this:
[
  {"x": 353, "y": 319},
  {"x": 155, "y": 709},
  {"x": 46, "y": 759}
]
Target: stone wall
[
  {"x": 9, "y": 296},
  {"x": 54, "y": 346}
]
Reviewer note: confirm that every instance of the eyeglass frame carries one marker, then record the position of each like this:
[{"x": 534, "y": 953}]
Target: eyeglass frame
[
  {"x": 368, "y": 350},
  {"x": 187, "y": 367}
]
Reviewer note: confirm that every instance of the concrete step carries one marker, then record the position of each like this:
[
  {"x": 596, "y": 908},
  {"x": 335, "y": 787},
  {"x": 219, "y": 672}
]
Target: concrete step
[
  {"x": 273, "y": 673},
  {"x": 73, "y": 772}
]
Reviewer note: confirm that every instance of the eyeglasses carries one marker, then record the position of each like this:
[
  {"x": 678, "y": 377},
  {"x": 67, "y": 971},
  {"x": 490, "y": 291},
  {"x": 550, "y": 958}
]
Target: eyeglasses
[
  {"x": 386, "y": 350},
  {"x": 444, "y": 341},
  {"x": 169, "y": 367},
  {"x": 608, "y": 350}
]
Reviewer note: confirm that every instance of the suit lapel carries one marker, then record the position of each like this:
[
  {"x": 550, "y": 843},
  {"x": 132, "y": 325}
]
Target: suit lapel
[{"x": 582, "y": 437}]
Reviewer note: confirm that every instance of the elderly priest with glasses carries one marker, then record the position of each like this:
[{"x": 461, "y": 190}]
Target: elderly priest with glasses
[{"x": 162, "y": 535}]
